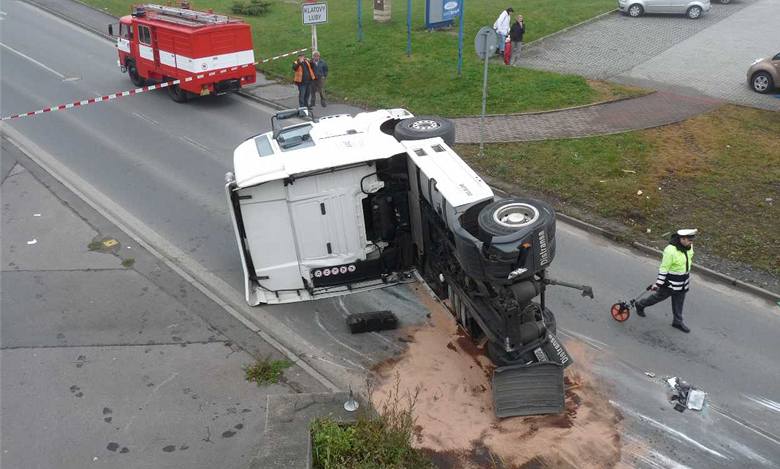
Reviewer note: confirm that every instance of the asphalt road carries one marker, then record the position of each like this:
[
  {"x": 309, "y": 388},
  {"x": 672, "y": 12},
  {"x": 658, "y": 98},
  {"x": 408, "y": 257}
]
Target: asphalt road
[{"x": 159, "y": 166}]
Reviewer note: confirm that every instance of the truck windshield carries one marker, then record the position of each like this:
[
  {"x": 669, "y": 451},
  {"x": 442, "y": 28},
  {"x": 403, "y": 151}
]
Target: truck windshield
[{"x": 295, "y": 138}]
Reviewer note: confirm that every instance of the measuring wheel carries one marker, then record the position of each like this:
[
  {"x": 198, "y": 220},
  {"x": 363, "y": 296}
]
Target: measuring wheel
[{"x": 620, "y": 312}]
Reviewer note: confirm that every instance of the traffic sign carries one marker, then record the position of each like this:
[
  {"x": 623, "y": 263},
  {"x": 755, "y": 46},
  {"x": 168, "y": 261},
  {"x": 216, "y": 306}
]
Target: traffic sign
[
  {"x": 486, "y": 42},
  {"x": 315, "y": 13}
]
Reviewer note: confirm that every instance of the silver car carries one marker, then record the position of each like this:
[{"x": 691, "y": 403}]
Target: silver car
[{"x": 693, "y": 9}]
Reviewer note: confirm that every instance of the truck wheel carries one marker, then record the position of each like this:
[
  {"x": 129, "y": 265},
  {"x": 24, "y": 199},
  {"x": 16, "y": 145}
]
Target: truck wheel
[
  {"x": 177, "y": 94},
  {"x": 419, "y": 128},
  {"x": 132, "y": 72},
  {"x": 513, "y": 215}
]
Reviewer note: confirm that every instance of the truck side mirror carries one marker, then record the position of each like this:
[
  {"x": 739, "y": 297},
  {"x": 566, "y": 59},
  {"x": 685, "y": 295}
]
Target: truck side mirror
[{"x": 111, "y": 30}]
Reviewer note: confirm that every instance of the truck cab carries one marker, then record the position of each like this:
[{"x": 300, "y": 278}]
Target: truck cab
[{"x": 346, "y": 203}]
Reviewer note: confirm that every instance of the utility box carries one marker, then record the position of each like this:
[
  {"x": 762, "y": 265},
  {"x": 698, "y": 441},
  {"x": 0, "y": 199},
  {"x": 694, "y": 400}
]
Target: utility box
[{"x": 382, "y": 11}]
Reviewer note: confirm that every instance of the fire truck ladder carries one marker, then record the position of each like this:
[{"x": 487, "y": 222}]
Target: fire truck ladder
[{"x": 185, "y": 16}]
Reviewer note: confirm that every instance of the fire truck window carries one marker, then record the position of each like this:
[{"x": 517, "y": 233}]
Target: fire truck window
[
  {"x": 144, "y": 35},
  {"x": 124, "y": 31}
]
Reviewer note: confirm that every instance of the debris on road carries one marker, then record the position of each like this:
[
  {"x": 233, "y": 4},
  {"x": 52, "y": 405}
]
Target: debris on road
[
  {"x": 371, "y": 321},
  {"x": 32, "y": 241},
  {"x": 650, "y": 374},
  {"x": 684, "y": 395}
]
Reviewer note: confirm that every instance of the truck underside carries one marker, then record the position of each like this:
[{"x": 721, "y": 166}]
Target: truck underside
[{"x": 485, "y": 258}]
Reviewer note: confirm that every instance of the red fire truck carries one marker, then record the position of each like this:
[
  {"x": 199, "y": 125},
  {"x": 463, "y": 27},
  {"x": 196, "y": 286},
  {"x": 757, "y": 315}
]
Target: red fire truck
[{"x": 209, "y": 53}]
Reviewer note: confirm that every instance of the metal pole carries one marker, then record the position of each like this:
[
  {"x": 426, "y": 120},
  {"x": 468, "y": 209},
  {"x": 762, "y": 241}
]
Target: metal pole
[
  {"x": 484, "y": 104},
  {"x": 360, "y": 20},
  {"x": 314, "y": 37},
  {"x": 408, "y": 28},
  {"x": 460, "y": 38}
]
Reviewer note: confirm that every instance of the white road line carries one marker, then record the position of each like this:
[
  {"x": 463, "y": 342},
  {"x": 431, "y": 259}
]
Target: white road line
[
  {"x": 195, "y": 144},
  {"x": 762, "y": 401},
  {"x": 60, "y": 75},
  {"x": 653, "y": 458},
  {"x": 596, "y": 344},
  {"x": 676, "y": 433},
  {"x": 146, "y": 118},
  {"x": 356, "y": 352}
]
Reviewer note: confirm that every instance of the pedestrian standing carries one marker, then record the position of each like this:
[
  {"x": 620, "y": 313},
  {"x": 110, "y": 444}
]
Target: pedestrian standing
[
  {"x": 516, "y": 35},
  {"x": 673, "y": 277},
  {"x": 502, "y": 27},
  {"x": 321, "y": 72},
  {"x": 303, "y": 78}
]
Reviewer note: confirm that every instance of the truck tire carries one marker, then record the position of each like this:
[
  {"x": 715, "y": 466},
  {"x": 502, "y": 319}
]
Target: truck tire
[
  {"x": 422, "y": 127},
  {"x": 132, "y": 72},
  {"x": 177, "y": 94},
  {"x": 514, "y": 215}
]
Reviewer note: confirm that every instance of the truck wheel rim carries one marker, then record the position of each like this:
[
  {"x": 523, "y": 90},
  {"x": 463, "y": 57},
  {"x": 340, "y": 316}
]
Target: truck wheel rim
[
  {"x": 516, "y": 215},
  {"x": 424, "y": 125}
]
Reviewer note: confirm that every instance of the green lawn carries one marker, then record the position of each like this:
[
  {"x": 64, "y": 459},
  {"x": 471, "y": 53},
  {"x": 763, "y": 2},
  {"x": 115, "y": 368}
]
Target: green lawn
[
  {"x": 718, "y": 172},
  {"x": 377, "y": 72}
]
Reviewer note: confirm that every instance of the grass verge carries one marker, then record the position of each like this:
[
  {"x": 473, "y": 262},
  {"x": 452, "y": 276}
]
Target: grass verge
[
  {"x": 376, "y": 72},
  {"x": 380, "y": 438},
  {"x": 719, "y": 172},
  {"x": 266, "y": 371}
]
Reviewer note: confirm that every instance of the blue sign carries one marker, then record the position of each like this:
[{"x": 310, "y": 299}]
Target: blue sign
[
  {"x": 450, "y": 10},
  {"x": 441, "y": 13}
]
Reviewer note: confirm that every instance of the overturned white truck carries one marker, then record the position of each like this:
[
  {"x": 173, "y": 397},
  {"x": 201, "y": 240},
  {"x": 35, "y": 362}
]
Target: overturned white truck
[{"x": 344, "y": 203}]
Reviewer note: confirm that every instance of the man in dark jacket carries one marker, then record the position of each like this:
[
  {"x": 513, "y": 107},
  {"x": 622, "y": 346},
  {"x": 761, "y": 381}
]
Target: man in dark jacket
[
  {"x": 304, "y": 76},
  {"x": 516, "y": 36},
  {"x": 318, "y": 85}
]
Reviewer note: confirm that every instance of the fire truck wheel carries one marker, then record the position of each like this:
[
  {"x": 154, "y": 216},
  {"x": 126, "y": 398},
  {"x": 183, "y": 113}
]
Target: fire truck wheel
[
  {"x": 177, "y": 94},
  {"x": 422, "y": 127},
  {"x": 514, "y": 215},
  {"x": 132, "y": 72}
]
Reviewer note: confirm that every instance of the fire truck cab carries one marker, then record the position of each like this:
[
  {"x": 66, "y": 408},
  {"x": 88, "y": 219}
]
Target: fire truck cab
[{"x": 209, "y": 53}]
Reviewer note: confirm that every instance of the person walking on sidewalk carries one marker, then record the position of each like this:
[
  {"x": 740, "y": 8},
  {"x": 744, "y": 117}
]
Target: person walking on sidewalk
[
  {"x": 516, "y": 36},
  {"x": 673, "y": 277},
  {"x": 303, "y": 78},
  {"x": 321, "y": 72},
  {"x": 502, "y": 28}
]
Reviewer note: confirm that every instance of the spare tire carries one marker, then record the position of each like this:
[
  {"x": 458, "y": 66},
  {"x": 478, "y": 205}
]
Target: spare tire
[
  {"x": 422, "y": 127},
  {"x": 514, "y": 215}
]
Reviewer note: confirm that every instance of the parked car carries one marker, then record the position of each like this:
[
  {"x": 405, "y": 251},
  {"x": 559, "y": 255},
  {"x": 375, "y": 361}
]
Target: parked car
[
  {"x": 764, "y": 74},
  {"x": 693, "y": 9}
]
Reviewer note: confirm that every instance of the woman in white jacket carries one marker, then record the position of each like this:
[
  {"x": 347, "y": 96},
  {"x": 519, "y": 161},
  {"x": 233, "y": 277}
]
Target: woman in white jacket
[{"x": 502, "y": 27}]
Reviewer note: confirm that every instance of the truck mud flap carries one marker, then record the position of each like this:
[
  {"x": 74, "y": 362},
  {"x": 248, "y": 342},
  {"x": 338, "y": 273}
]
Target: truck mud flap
[{"x": 533, "y": 389}]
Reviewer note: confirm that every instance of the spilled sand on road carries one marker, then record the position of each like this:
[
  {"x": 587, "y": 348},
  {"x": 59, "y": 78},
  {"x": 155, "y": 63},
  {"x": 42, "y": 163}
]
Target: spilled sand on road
[{"x": 454, "y": 409}]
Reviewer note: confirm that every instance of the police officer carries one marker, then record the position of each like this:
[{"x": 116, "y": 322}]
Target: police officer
[{"x": 673, "y": 277}]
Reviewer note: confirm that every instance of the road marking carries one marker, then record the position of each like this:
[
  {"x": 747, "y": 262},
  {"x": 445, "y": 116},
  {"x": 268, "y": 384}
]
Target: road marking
[
  {"x": 762, "y": 401},
  {"x": 596, "y": 344},
  {"x": 653, "y": 458},
  {"x": 146, "y": 118},
  {"x": 357, "y": 352},
  {"x": 60, "y": 75},
  {"x": 195, "y": 144},
  {"x": 670, "y": 430}
]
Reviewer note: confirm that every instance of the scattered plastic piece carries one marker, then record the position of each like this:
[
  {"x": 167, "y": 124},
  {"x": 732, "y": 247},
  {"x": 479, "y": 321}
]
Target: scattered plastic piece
[
  {"x": 32, "y": 241},
  {"x": 696, "y": 399},
  {"x": 650, "y": 374},
  {"x": 685, "y": 396},
  {"x": 36, "y": 214}
]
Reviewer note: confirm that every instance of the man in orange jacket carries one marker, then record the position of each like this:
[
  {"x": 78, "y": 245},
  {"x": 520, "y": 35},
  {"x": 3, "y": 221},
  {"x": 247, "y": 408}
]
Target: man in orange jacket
[{"x": 303, "y": 78}]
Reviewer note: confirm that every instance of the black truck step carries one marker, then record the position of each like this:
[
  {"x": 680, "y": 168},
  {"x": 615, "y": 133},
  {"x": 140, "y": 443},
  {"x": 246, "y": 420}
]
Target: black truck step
[
  {"x": 533, "y": 389},
  {"x": 371, "y": 321}
]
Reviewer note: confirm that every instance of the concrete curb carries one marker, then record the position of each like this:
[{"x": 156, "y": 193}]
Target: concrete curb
[{"x": 707, "y": 272}]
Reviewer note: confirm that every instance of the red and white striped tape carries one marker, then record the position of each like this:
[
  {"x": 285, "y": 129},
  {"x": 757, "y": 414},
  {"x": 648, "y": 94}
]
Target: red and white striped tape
[{"x": 144, "y": 89}]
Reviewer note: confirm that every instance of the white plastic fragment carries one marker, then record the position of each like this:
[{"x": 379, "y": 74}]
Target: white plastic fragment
[
  {"x": 696, "y": 399},
  {"x": 650, "y": 374},
  {"x": 32, "y": 241},
  {"x": 639, "y": 192},
  {"x": 36, "y": 214}
]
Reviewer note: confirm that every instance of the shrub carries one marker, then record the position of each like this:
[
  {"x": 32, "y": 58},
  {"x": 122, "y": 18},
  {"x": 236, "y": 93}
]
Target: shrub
[
  {"x": 252, "y": 8},
  {"x": 266, "y": 371}
]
